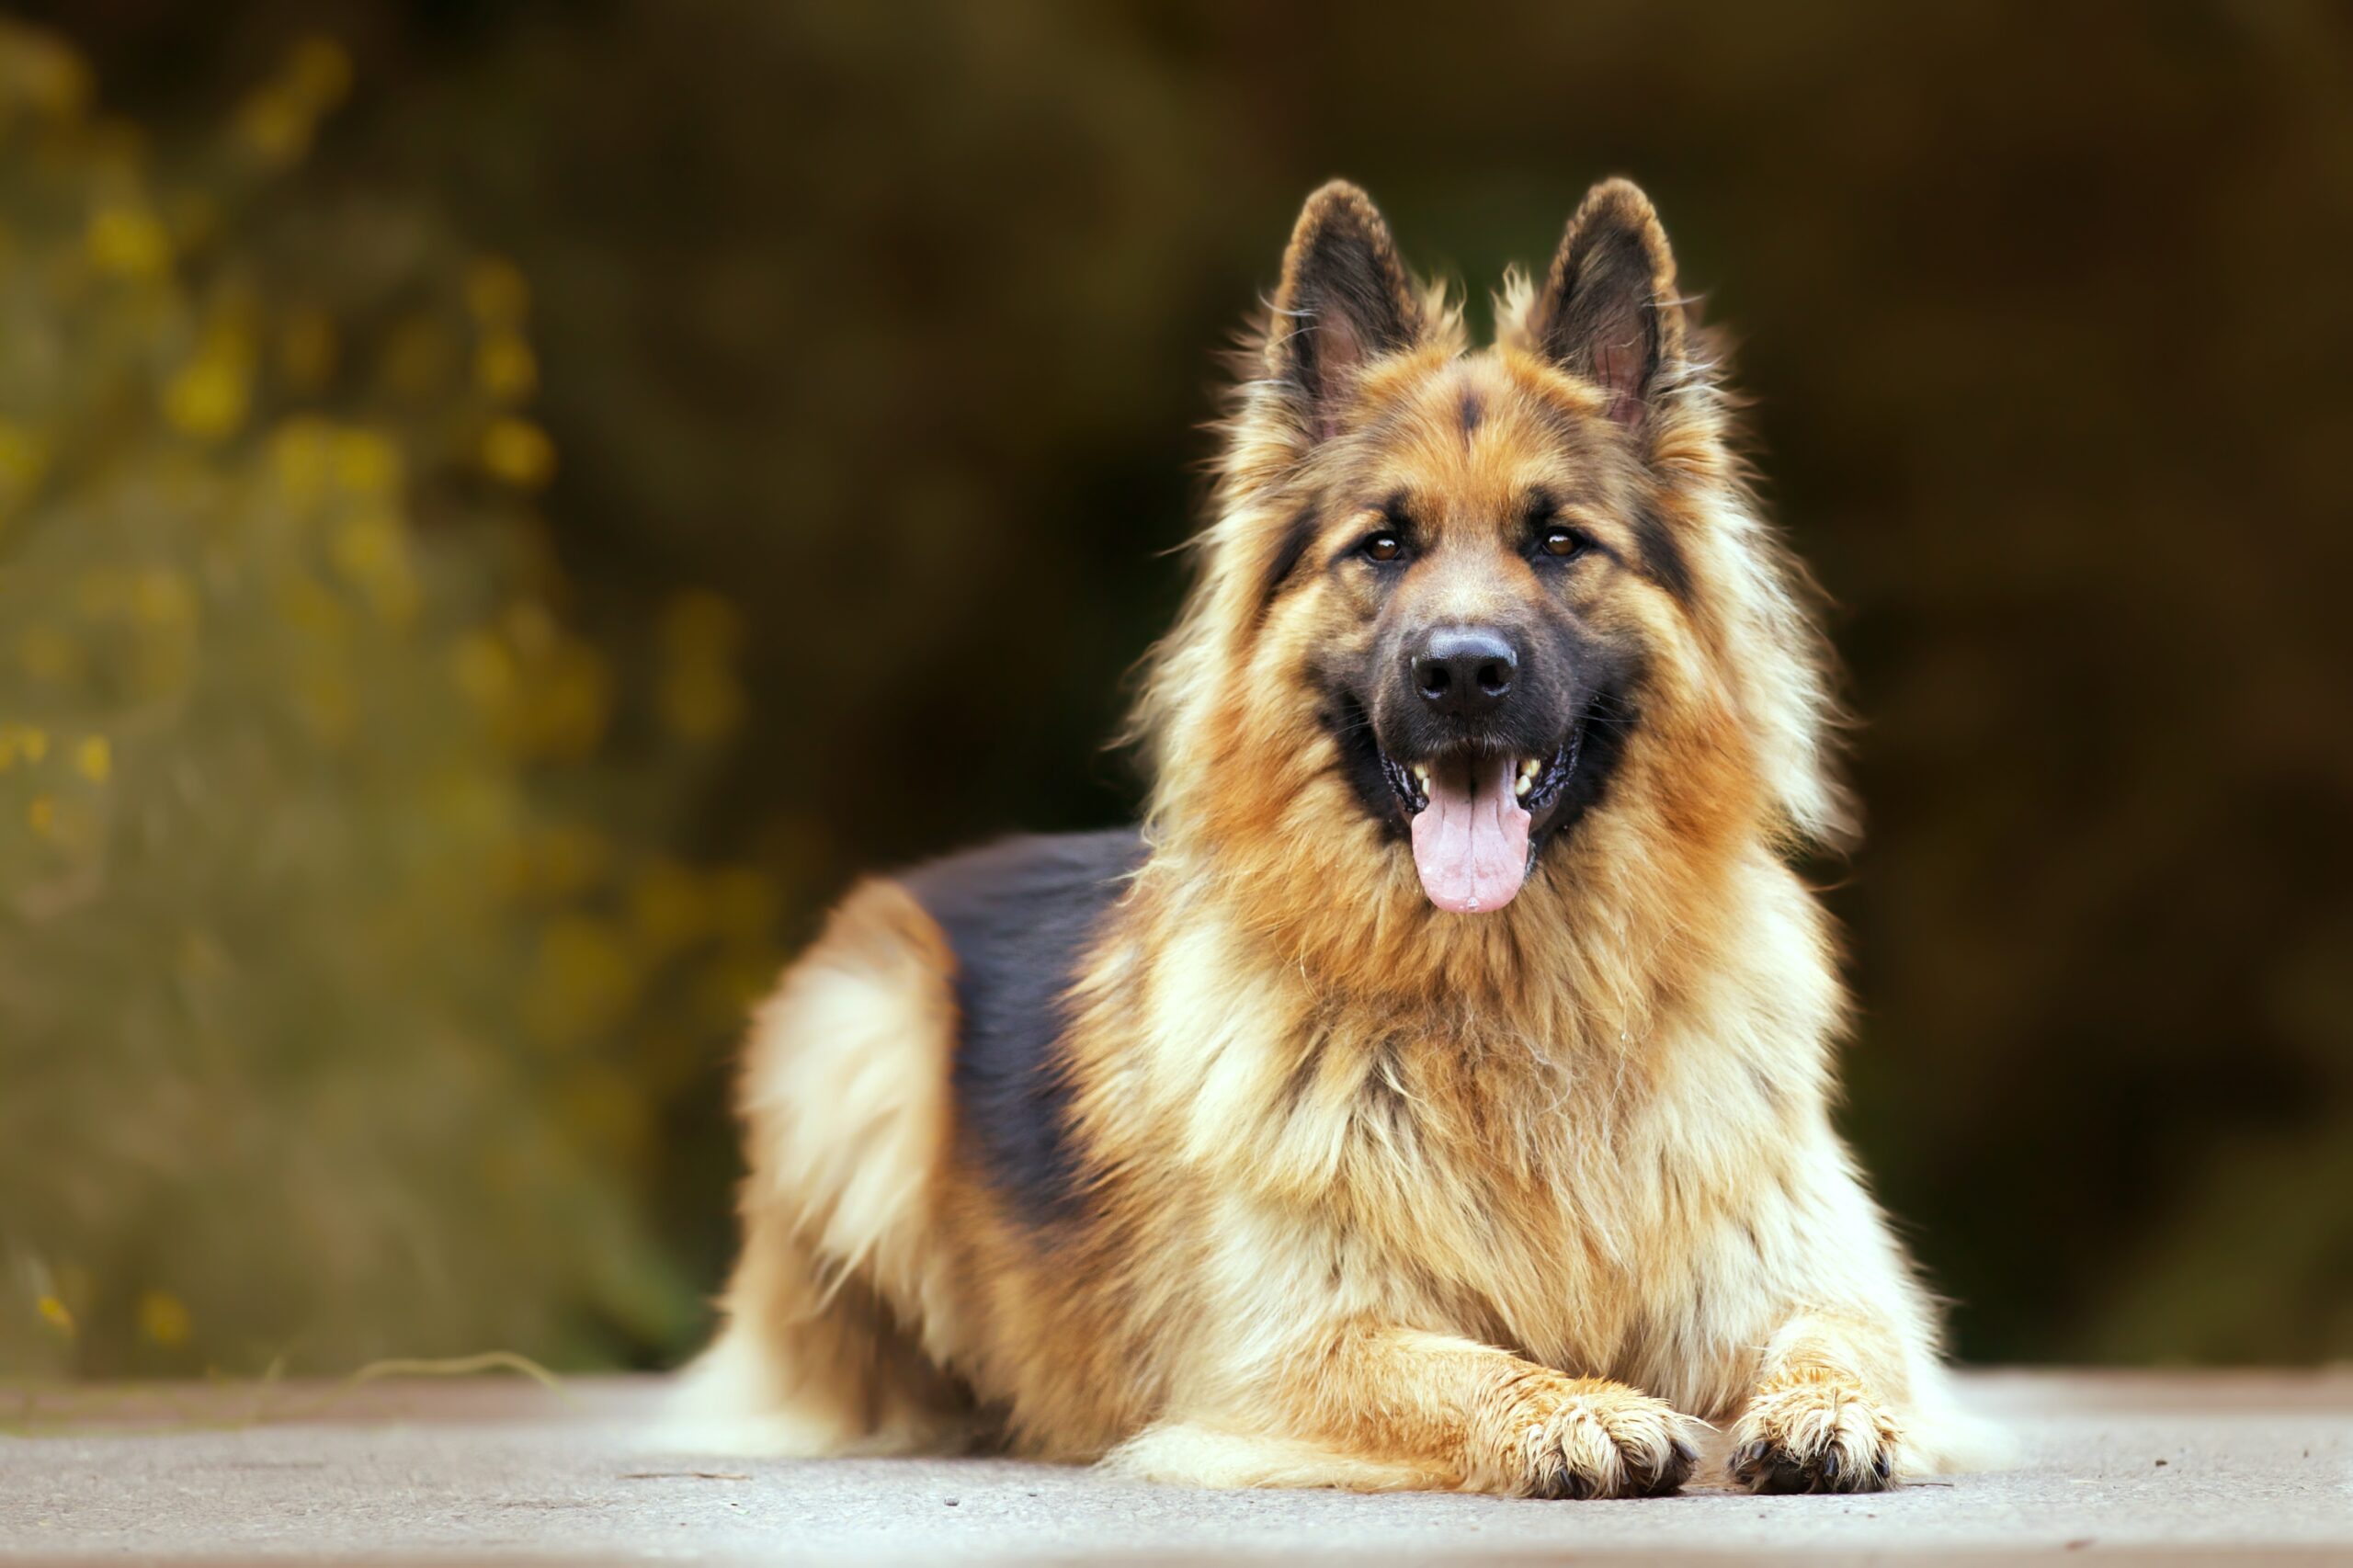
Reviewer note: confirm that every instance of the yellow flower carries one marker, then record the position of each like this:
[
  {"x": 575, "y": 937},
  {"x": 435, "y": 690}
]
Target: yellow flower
[
  {"x": 21, "y": 456},
  {"x": 298, "y": 452},
  {"x": 53, "y": 1312},
  {"x": 504, "y": 367},
  {"x": 531, "y": 628},
  {"x": 276, "y": 125},
  {"x": 483, "y": 669},
  {"x": 163, "y": 598},
  {"x": 164, "y": 1318},
  {"x": 496, "y": 293},
  {"x": 40, "y": 74},
  {"x": 519, "y": 452},
  {"x": 128, "y": 242},
  {"x": 570, "y": 700},
  {"x": 279, "y": 120},
  {"x": 366, "y": 464},
  {"x": 584, "y": 978},
  {"x": 209, "y": 399},
  {"x": 700, "y": 702},
  {"x": 320, "y": 72},
  {"x": 24, "y": 458},
  {"x": 21, "y": 741},
  {"x": 41, "y": 815},
  {"x": 95, "y": 757},
  {"x": 371, "y": 553}
]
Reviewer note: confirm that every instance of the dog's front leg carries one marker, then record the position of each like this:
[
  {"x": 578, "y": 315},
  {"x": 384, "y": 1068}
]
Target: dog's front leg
[
  {"x": 1499, "y": 1423},
  {"x": 1821, "y": 1418},
  {"x": 1371, "y": 1407}
]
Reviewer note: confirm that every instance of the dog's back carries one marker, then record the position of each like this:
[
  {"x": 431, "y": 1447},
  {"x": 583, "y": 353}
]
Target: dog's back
[{"x": 1018, "y": 917}]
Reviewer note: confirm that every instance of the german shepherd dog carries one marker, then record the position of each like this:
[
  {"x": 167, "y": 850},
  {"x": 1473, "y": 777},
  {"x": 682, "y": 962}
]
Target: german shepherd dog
[{"x": 1435, "y": 1091}]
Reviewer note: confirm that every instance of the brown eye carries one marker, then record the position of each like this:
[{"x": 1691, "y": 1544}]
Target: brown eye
[
  {"x": 1382, "y": 547},
  {"x": 1564, "y": 542}
]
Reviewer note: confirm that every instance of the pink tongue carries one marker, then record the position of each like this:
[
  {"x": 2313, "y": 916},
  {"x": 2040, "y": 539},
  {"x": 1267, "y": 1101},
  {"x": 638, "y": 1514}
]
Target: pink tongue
[{"x": 1470, "y": 841}]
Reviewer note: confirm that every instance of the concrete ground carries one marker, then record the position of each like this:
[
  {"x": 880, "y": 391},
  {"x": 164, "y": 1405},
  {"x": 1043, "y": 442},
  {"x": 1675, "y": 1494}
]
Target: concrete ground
[{"x": 2180, "y": 1468}]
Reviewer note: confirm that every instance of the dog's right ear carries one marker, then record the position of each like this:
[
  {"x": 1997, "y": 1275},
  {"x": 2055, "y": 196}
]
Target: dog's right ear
[
  {"x": 1346, "y": 300},
  {"x": 1609, "y": 312}
]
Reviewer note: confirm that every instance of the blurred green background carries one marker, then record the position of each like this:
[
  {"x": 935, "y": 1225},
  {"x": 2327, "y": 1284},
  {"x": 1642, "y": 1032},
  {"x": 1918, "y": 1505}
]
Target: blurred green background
[{"x": 505, "y": 507}]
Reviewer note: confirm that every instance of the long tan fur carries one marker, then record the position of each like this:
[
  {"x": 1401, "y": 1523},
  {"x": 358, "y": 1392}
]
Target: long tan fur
[{"x": 1377, "y": 1197}]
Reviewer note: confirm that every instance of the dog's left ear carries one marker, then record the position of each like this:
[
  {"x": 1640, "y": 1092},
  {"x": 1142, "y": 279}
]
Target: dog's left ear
[
  {"x": 1345, "y": 300},
  {"x": 1609, "y": 312}
]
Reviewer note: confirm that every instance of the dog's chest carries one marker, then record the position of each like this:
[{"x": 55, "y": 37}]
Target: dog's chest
[
  {"x": 1439, "y": 1175},
  {"x": 1549, "y": 1217}
]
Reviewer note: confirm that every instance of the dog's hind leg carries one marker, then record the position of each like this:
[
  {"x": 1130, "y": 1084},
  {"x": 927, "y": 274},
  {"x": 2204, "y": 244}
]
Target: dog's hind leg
[
  {"x": 1191, "y": 1454},
  {"x": 844, "y": 1100},
  {"x": 805, "y": 1368}
]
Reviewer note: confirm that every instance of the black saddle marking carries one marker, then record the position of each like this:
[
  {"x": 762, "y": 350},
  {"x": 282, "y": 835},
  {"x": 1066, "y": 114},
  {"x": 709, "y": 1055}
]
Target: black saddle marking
[{"x": 1019, "y": 915}]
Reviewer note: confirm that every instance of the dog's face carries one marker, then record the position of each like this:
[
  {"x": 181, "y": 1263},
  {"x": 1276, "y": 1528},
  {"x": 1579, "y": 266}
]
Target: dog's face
[{"x": 1475, "y": 569}]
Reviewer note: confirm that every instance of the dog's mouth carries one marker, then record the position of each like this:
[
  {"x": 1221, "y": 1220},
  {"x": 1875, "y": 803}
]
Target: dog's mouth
[{"x": 1472, "y": 812}]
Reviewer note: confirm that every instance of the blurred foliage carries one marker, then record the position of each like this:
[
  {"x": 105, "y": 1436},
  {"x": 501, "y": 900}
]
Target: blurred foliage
[
  {"x": 892, "y": 322},
  {"x": 333, "y": 943}
]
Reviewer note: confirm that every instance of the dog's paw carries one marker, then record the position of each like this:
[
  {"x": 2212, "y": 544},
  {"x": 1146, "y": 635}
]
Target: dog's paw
[
  {"x": 1815, "y": 1437},
  {"x": 1605, "y": 1440}
]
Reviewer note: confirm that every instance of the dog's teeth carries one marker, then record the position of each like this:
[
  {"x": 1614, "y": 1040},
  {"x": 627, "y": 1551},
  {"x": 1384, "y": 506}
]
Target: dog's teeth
[
  {"x": 1422, "y": 776},
  {"x": 1523, "y": 785}
]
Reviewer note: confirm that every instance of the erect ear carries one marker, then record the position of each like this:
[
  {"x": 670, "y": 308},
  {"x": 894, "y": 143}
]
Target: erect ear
[
  {"x": 1345, "y": 300},
  {"x": 1608, "y": 310}
]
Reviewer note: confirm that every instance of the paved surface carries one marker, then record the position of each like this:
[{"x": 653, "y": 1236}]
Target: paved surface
[{"x": 2180, "y": 1468}]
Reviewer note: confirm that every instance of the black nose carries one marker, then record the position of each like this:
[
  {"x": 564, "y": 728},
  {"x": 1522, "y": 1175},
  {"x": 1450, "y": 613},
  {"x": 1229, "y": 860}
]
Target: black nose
[{"x": 1465, "y": 671}]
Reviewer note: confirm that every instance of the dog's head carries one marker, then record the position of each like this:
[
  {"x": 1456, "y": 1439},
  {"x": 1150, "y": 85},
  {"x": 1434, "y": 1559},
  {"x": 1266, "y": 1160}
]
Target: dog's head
[{"x": 1478, "y": 600}]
